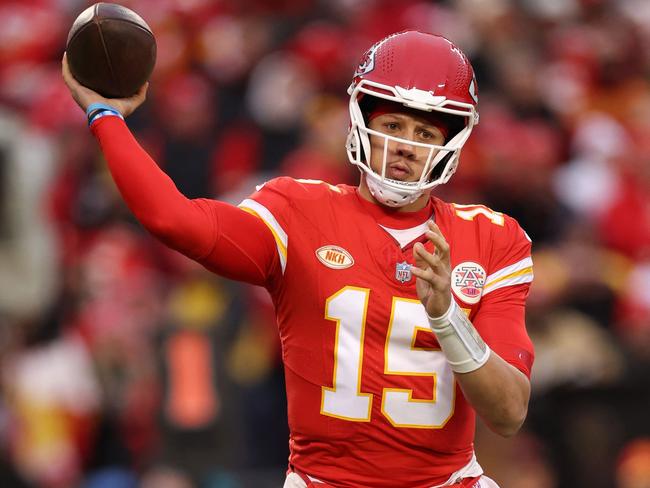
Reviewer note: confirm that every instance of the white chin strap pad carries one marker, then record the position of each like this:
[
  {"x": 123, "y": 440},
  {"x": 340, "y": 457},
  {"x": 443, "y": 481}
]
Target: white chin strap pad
[{"x": 389, "y": 196}]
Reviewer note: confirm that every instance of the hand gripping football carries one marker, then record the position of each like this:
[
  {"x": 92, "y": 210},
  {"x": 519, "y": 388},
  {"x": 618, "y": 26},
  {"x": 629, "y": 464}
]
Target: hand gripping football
[{"x": 111, "y": 50}]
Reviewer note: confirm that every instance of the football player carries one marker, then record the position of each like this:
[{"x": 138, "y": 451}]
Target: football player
[{"x": 401, "y": 316}]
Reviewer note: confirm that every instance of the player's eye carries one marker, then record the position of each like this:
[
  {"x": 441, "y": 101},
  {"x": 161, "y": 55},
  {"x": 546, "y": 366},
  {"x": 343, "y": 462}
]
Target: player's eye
[
  {"x": 391, "y": 126},
  {"x": 429, "y": 136}
]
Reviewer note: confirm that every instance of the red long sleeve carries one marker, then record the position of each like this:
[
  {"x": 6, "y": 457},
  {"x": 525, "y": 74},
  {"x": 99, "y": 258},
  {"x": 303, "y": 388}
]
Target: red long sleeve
[{"x": 222, "y": 237}]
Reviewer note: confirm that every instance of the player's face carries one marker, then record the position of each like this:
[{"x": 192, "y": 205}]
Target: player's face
[{"x": 404, "y": 162}]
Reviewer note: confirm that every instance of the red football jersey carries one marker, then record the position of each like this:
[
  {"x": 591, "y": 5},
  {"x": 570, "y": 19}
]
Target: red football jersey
[{"x": 371, "y": 398}]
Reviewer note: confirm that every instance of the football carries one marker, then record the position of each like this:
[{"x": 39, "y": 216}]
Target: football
[{"x": 111, "y": 50}]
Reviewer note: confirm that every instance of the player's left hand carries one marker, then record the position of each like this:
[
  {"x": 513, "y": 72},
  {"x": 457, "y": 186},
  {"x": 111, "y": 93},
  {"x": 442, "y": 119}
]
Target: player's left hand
[{"x": 433, "y": 273}]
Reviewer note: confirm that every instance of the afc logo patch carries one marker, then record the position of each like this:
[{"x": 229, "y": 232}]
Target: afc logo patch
[{"x": 467, "y": 281}]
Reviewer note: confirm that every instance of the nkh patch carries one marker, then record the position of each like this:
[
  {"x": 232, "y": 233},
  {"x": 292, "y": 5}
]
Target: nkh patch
[
  {"x": 334, "y": 257},
  {"x": 403, "y": 272},
  {"x": 467, "y": 281}
]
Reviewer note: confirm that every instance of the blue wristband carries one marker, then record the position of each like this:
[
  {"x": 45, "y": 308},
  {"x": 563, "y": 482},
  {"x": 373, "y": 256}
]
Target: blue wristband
[
  {"x": 102, "y": 113},
  {"x": 98, "y": 110},
  {"x": 99, "y": 106}
]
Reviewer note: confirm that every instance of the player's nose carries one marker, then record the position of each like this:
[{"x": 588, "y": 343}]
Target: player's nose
[{"x": 404, "y": 149}]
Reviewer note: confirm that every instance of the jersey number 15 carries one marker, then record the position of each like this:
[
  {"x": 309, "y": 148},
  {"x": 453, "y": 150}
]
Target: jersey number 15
[{"x": 345, "y": 400}]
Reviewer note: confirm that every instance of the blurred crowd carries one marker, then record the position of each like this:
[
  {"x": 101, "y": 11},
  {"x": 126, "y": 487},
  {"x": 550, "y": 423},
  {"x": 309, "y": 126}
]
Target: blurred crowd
[{"x": 123, "y": 364}]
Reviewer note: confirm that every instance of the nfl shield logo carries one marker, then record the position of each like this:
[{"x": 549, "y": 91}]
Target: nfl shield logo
[{"x": 403, "y": 272}]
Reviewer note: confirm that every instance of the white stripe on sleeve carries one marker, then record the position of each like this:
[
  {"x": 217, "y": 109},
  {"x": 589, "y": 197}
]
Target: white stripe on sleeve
[
  {"x": 280, "y": 236},
  {"x": 515, "y": 274}
]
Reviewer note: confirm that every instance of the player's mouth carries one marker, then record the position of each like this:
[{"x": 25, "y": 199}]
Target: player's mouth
[{"x": 398, "y": 171}]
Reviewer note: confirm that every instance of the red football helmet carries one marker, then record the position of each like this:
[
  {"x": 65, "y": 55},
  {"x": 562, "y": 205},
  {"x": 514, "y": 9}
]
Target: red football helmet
[{"x": 420, "y": 71}]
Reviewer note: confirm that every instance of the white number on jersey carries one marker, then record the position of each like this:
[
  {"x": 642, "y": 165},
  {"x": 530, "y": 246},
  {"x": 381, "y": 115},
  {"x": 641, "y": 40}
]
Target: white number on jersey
[
  {"x": 345, "y": 400},
  {"x": 469, "y": 212}
]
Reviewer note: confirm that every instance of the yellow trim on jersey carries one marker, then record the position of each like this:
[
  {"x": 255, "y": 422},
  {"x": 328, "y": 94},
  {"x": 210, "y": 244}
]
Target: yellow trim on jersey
[
  {"x": 415, "y": 336},
  {"x": 409, "y": 391},
  {"x": 515, "y": 274},
  {"x": 336, "y": 353},
  {"x": 278, "y": 241},
  {"x": 417, "y": 400},
  {"x": 512, "y": 275},
  {"x": 469, "y": 212},
  {"x": 280, "y": 236},
  {"x": 319, "y": 182}
]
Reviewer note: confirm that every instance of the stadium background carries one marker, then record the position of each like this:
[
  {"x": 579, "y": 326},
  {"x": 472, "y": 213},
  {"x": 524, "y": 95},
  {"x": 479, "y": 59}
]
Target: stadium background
[{"x": 123, "y": 364}]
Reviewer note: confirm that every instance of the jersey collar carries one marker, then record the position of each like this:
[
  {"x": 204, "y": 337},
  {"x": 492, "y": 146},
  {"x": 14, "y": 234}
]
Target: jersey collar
[{"x": 391, "y": 217}]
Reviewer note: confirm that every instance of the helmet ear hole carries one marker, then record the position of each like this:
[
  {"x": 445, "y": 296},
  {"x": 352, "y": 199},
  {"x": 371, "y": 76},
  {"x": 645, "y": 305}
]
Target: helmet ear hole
[
  {"x": 455, "y": 125},
  {"x": 367, "y": 105},
  {"x": 440, "y": 167}
]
